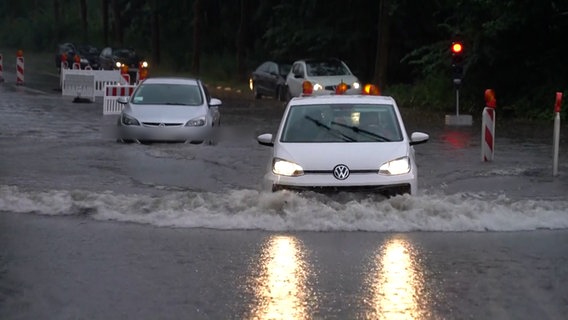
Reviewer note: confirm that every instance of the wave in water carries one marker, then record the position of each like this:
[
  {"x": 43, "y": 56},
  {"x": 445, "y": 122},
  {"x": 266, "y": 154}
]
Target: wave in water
[{"x": 289, "y": 211}]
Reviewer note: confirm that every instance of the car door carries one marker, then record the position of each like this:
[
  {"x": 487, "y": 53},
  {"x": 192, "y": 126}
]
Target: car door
[
  {"x": 272, "y": 78},
  {"x": 295, "y": 79},
  {"x": 263, "y": 78}
]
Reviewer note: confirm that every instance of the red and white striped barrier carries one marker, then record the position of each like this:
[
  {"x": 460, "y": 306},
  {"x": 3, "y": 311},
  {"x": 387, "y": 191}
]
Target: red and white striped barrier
[
  {"x": 1, "y": 68},
  {"x": 556, "y": 137},
  {"x": 20, "y": 67},
  {"x": 112, "y": 93},
  {"x": 488, "y": 127},
  {"x": 76, "y": 66}
]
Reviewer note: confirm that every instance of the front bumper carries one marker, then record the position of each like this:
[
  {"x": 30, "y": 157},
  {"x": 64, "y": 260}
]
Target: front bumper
[{"x": 163, "y": 133}]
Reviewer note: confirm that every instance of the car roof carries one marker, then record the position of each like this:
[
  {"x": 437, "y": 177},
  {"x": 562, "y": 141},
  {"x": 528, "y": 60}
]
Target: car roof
[
  {"x": 307, "y": 60},
  {"x": 172, "y": 80},
  {"x": 331, "y": 99}
]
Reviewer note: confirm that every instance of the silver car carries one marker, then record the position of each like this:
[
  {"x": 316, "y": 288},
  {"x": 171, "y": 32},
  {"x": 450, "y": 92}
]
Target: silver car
[{"x": 169, "y": 110}]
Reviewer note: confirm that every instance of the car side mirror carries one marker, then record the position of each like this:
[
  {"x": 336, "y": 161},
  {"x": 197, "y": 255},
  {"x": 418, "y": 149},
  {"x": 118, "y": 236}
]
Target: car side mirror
[
  {"x": 214, "y": 102},
  {"x": 122, "y": 100},
  {"x": 266, "y": 139}
]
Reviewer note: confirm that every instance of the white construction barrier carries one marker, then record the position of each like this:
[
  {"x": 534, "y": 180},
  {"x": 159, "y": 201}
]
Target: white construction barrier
[
  {"x": 102, "y": 78},
  {"x": 112, "y": 93},
  {"x": 79, "y": 86}
]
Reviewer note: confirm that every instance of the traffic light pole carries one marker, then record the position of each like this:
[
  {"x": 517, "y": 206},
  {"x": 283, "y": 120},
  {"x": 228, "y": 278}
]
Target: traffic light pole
[{"x": 457, "y": 102}]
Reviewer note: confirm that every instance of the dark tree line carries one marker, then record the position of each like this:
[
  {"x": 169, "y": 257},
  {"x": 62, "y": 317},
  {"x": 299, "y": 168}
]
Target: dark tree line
[{"x": 517, "y": 47}]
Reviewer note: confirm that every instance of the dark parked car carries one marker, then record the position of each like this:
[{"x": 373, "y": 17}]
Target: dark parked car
[
  {"x": 113, "y": 58},
  {"x": 68, "y": 49},
  {"x": 88, "y": 55},
  {"x": 269, "y": 79}
]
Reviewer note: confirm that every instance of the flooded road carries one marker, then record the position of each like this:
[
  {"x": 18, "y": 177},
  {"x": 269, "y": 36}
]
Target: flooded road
[{"x": 90, "y": 228}]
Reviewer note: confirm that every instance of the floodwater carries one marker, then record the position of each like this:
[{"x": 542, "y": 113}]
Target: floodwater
[{"x": 90, "y": 228}]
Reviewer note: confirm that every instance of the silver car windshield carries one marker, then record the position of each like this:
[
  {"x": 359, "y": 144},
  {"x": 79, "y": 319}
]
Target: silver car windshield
[
  {"x": 341, "y": 123},
  {"x": 326, "y": 68},
  {"x": 168, "y": 94}
]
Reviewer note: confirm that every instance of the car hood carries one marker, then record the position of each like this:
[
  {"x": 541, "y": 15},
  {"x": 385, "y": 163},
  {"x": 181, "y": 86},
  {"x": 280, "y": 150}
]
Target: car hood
[
  {"x": 356, "y": 155},
  {"x": 164, "y": 113},
  {"x": 333, "y": 80}
]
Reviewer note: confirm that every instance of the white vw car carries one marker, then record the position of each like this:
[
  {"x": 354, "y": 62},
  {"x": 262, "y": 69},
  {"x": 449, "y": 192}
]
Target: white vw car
[
  {"x": 324, "y": 75},
  {"x": 343, "y": 143}
]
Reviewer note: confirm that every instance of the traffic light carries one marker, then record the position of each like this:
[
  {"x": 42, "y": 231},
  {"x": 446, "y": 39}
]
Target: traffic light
[{"x": 457, "y": 60}]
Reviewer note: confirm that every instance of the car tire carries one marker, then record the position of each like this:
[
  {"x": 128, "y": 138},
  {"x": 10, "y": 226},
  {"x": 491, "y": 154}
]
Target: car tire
[
  {"x": 255, "y": 92},
  {"x": 282, "y": 93}
]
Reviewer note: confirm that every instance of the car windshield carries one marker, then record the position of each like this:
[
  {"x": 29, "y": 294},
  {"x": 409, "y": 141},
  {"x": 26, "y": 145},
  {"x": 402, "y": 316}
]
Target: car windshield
[
  {"x": 341, "y": 123},
  {"x": 168, "y": 94},
  {"x": 285, "y": 69},
  {"x": 326, "y": 68},
  {"x": 124, "y": 53}
]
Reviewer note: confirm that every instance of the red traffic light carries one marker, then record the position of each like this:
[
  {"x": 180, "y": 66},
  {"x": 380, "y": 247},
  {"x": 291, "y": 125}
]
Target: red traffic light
[{"x": 457, "y": 48}]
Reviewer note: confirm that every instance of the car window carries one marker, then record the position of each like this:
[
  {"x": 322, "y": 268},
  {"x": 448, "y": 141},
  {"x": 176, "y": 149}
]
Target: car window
[
  {"x": 297, "y": 69},
  {"x": 168, "y": 94},
  {"x": 284, "y": 69},
  {"x": 341, "y": 123},
  {"x": 326, "y": 68}
]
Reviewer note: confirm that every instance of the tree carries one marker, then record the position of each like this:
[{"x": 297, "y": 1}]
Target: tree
[
  {"x": 117, "y": 23},
  {"x": 196, "y": 36},
  {"x": 155, "y": 26},
  {"x": 381, "y": 59},
  {"x": 84, "y": 21},
  {"x": 241, "y": 39},
  {"x": 105, "y": 21}
]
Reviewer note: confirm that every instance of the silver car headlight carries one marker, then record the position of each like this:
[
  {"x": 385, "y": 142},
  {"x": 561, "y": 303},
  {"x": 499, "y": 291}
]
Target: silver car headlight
[
  {"x": 196, "y": 122},
  {"x": 356, "y": 85},
  {"x": 128, "y": 120},
  {"x": 318, "y": 87},
  {"x": 395, "y": 167},
  {"x": 286, "y": 168}
]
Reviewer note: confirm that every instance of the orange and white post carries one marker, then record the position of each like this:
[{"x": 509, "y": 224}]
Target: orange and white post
[
  {"x": 556, "y": 138},
  {"x": 488, "y": 127},
  {"x": 20, "y": 67}
]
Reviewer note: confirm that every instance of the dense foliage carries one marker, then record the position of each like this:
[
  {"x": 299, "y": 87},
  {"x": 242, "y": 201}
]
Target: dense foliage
[{"x": 517, "y": 47}]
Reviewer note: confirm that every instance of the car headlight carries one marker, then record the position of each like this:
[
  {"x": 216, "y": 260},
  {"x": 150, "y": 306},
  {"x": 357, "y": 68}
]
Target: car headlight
[
  {"x": 286, "y": 168},
  {"x": 144, "y": 64},
  {"x": 118, "y": 64},
  {"x": 397, "y": 166},
  {"x": 196, "y": 122},
  {"x": 129, "y": 121},
  {"x": 356, "y": 85},
  {"x": 318, "y": 87},
  {"x": 84, "y": 60}
]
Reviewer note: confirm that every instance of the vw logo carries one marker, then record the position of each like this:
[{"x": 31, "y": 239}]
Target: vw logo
[
  {"x": 161, "y": 125},
  {"x": 341, "y": 172}
]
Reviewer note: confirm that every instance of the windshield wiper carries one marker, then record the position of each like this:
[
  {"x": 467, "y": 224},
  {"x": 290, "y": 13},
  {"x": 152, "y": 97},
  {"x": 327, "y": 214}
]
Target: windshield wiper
[
  {"x": 359, "y": 130},
  {"x": 334, "y": 132}
]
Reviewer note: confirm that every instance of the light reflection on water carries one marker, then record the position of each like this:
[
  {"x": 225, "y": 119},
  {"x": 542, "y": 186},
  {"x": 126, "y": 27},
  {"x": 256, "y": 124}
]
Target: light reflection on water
[
  {"x": 281, "y": 288},
  {"x": 396, "y": 283}
]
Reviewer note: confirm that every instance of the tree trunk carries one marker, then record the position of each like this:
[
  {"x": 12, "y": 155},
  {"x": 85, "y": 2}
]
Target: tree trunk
[
  {"x": 155, "y": 25},
  {"x": 381, "y": 60},
  {"x": 196, "y": 37},
  {"x": 117, "y": 23},
  {"x": 84, "y": 21},
  {"x": 241, "y": 40},
  {"x": 105, "y": 22},
  {"x": 57, "y": 17}
]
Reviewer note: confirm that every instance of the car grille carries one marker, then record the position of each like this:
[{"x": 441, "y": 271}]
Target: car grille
[
  {"x": 387, "y": 190},
  {"x": 332, "y": 88},
  {"x": 161, "y": 124}
]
